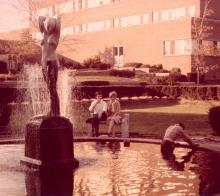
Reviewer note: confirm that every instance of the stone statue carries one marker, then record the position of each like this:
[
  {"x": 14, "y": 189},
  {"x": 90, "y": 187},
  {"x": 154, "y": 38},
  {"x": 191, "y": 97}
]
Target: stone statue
[{"x": 50, "y": 28}]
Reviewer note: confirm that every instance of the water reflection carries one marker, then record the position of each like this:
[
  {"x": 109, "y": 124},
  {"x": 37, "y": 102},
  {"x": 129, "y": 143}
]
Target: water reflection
[
  {"x": 107, "y": 169},
  {"x": 139, "y": 170},
  {"x": 178, "y": 165}
]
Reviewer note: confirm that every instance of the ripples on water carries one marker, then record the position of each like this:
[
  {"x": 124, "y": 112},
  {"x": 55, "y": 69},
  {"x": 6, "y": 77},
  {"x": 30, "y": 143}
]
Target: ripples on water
[
  {"x": 138, "y": 170},
  {"x": 116, "y": 170}
]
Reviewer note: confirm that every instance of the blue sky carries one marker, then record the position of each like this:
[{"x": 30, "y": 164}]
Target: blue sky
[{"x": 12, "y": 15}]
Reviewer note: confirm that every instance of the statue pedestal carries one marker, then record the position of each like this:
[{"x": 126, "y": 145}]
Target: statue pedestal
[{"x": 49, "y": 144}]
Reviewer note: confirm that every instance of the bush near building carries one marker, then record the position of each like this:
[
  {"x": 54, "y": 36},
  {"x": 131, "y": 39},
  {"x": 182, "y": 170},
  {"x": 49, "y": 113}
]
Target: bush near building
[
  {"x": 133, "y": 65},
  {"x": 95, "y": 63}
]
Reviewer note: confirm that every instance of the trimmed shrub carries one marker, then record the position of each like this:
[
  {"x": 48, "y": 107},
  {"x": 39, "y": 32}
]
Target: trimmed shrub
[
  {"x": 95, "y": 83},
  {"x": 122, "y": 91},
  {"x": 157, "y": 66},
  {"x": 175, "y": 70},
  {"x": 100, "y": 66},
  {"x": 214, "y": 116},
  {"x": 133, "y": 65},
  {"x": 122, "y": 73},
  {"x": 145, "y": 66},
  {"x": 95, "y": 63},
  {"x": 177, "y": 77}
]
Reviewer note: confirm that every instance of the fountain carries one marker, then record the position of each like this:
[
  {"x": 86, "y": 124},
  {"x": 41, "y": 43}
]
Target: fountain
[
  {"x": 49, "y": 138},
  {"x": 105, "y": 170}
]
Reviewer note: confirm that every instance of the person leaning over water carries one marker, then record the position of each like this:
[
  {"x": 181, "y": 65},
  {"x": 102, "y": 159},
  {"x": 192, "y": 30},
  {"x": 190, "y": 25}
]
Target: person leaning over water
[
  {"x": 173, "y": 133},
  {"x": 113, "y": 110}
]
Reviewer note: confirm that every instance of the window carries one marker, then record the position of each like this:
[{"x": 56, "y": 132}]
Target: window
[
  {"x": 145, "y": 18},
  {"x": 95, "y": 3},
  {"x": 187, "y": 46},
  {"x": 50, "y": 11},
  {"x": 177, "y": 47},
  {"x": 77, "y": 29},
  {"x": 66, "y": 7},
  {"x": 179, "y": 13},
  {"x": 121, "y": 50},
  {"x": 108, "y": 24},
  {"x": 130, "y": 20},
  {"x": 84, "y": 27},
  {"x": 156, "y": 16},
  {"x": 84, "y": 4},
  {"x": 96, "y": 26},
  {"x": 42, "y": 12},
  {"x": 165, "y": 15},
  {"x": 168, "y": 47},
  {"x": 118, "y": 53},
  {"x": 67, "y": 31},
  {"x": 116, "y": 22},
  {"x": 192, "y": 11}
]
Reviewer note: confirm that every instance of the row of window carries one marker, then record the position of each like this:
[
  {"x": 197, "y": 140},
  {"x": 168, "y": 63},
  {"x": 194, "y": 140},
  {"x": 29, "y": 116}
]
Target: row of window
[
  {"x": 190, "y": 46},
  {"x": 105, "y": 25},
  {"x": 174, "y": 14},
  {"x": 101, "y": 25},
  {"x": 75, "y": 5},
  {"x": 70, "y": 6}
]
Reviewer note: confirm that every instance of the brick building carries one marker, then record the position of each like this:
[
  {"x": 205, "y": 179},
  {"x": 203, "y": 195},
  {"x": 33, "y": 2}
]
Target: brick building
[{"x": 146, "y": 31}]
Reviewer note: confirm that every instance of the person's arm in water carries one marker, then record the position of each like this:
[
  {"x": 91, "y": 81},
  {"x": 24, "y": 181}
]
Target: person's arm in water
[{"x": 187, "y": 139}]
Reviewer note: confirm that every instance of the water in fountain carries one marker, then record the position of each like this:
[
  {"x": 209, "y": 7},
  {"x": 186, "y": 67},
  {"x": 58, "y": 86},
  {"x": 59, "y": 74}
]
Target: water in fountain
[
  {"x": 32, "y": 99},
  {"x": 39, "y": 96},
  {"x": 36, "y": 100},
  {"x": 65, "y": 84}
]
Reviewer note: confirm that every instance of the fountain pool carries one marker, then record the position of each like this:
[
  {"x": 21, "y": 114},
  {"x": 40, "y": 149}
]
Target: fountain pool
[{"x": 113, "y": 170}]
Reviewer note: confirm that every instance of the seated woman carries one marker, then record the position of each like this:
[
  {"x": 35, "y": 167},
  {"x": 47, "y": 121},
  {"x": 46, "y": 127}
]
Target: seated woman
[{"x": 113, "y": 110}]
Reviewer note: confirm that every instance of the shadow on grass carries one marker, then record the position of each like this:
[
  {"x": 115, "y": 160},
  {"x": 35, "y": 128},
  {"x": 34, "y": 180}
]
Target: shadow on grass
[{"x": 148, "y": 103}]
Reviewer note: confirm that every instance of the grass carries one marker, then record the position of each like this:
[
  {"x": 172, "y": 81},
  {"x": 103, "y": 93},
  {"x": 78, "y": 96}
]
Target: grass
[{"x": 152, "y": 117}]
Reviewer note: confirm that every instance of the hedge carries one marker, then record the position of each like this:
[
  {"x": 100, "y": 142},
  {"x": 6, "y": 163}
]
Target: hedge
[
  {"x": 178, "y": 91},
  {"x": 88, "y": 88},
  {"x": 95, "y": 83}
]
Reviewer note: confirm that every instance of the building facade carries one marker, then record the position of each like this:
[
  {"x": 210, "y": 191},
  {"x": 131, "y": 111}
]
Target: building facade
[{"x": 147, "y": 31}]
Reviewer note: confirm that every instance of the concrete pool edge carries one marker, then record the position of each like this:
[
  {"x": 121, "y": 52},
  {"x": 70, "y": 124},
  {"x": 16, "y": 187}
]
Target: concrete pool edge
[{"x": 203, "y": 145}]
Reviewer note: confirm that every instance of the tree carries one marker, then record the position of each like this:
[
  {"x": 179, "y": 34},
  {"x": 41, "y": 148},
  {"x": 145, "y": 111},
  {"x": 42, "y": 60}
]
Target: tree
[
  {"x": 29, "y": 8},
  {"x": 27, "y": 49},
  {"x": 201, "y": 29}
]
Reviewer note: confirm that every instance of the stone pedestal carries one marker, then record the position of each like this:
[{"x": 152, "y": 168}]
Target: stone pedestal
[
  {"x": 49, "y": 144},
  {"x": 49, "y": 184}
]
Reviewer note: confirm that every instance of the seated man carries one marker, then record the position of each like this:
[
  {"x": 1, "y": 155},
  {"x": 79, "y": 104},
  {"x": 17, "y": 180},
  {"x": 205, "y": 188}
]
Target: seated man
[
  {"x": 173, "y": 133},
  {"x": 98, "y": 110}
]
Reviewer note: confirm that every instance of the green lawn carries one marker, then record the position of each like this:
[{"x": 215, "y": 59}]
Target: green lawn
[{"x": 152, "y": 117}]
